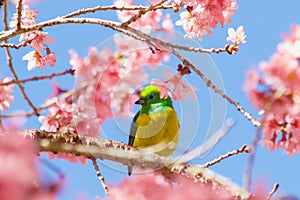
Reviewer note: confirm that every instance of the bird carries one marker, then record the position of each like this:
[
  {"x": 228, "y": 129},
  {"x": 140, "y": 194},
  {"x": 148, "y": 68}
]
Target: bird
[{"x": 155, "y": 126}]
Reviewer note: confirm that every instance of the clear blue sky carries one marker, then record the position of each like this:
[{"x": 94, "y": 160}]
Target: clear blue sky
[{"x": 264, "y": 22}]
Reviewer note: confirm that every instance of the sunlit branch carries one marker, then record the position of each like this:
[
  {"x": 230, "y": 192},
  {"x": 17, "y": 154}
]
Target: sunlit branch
[{"x": 90, "y": 147}]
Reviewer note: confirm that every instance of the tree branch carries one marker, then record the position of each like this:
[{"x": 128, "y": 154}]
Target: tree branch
[{"x": 89, "y": 147}]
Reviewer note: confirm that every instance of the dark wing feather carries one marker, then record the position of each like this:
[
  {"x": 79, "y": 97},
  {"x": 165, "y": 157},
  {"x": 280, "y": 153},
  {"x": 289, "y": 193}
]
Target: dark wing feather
[{"x": 133, "y": 129}]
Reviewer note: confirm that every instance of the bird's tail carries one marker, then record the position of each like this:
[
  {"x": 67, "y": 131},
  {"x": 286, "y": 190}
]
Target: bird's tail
[{"x": 129, "y": 170}]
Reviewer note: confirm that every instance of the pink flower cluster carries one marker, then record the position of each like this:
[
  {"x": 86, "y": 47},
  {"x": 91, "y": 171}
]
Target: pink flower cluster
[
  {"x": 277, "y": 94},
  {"x": 18, "y": 175},
  {"x": 201, "y": 15},
  {"x": 36, "y": 39},
  {"x": 62, "y": 117},
  {"x": 5, "y": 94},
  {"x": 151, "y": 21},
  {"x": 176, "y": 85},
  {"x": 152, "y": 186}
]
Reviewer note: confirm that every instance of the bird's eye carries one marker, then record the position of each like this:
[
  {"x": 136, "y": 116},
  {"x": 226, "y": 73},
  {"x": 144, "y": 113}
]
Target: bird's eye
[{"x": 151, "y": 96}]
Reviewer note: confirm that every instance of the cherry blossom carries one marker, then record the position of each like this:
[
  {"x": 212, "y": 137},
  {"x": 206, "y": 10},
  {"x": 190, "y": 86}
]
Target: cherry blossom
[
  {"x": 237, "y": 37},
  {"x": 200, "y": 16},
  {"x": 36, "y": 39},
  {"x": 6, "y": 97},
  {"x": 277, "y": 94},
  {"x": 35, "y": 59}
]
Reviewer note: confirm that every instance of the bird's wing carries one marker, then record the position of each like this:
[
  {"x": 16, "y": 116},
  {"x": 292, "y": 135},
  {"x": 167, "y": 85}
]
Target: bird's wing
[{"x": 133, "y": 129}]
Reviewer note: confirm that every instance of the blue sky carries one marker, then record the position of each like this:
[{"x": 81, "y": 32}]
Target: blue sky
[{"x": 264, "y": 22}]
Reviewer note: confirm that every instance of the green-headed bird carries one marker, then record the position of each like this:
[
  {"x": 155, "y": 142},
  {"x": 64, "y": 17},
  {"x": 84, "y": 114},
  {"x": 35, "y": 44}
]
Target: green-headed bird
[{"x": 155, "y": 125}]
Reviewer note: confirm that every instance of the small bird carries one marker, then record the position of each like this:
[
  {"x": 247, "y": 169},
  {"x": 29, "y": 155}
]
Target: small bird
[{"x": 155, "y": 125}]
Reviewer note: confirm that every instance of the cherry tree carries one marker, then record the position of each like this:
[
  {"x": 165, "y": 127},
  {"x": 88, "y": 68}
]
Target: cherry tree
[{"x": 105, "y": 84}]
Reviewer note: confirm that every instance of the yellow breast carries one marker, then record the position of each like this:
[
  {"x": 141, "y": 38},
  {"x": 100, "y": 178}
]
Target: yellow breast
[{"x": 158, "y": 132}]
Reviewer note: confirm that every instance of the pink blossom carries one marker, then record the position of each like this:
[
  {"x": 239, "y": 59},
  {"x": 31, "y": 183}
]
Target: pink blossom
[
  {"x": 59, "y": 116},
  {"x": 277, "y": 93},
  {"x": 237, "y": 37},
  {"x": 50, "y": 59},
  {"x": 203, "y": 15},
  {"x": 6, "y": 97},
  {"x": 154, "y": 186},
  {"x": 18, "y": 169},
  {"x": 35, "y": 59},
  {"x": 38, "y": 39}
]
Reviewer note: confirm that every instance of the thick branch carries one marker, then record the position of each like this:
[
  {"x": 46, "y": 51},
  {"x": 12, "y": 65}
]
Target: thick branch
[{"x": 119, "y": 152}]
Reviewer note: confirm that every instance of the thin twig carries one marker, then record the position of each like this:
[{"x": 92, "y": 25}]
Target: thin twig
[
  {"x": 9, "y": 62},
  {"x": 37, "y": 78},
  {"x": 10, "y": 65},
  {"x": 19, "y": 14},
  {"x": 197, "y": 49},
  {"x": 275, "y": 188},
  {"x": 105, "y": 8},
  {"x": 141, "y": 13},
  {"x": 99, "y": 175},
  {"x": 15, "y": 46},
  {"x": 243, "y": 149},
  {"x": 248, "y": 171},
  {"x": 216, "y": 89}
]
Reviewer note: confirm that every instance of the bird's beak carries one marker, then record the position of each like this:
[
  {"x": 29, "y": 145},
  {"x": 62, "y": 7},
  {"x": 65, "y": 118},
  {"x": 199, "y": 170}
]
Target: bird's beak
[{"x": 140, "y": 101}]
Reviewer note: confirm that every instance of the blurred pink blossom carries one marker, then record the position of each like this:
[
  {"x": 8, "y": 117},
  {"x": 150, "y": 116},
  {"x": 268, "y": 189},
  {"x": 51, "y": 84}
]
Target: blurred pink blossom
[
  {"x": 6, "y": 97},
  {"x": 152, "y": 186},
  {"x": 277, "y": 94},
  {"x": 18, "y": 175}
]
